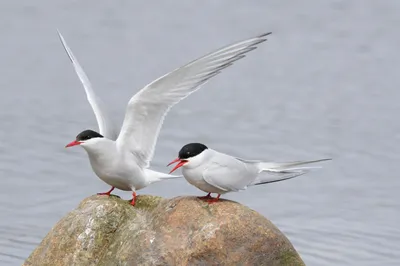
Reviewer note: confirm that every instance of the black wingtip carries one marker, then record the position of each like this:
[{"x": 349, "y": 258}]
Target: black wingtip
[
  {"x": 264, "y": 34},
  {"x": 322, "y": 160},
  {"x": 62, "y": 40}
]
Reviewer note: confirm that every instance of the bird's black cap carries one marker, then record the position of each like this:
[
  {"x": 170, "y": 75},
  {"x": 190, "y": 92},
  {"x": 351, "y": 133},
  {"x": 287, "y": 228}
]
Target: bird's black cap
[
  {"x": 88, "y": 134},
  {"x": 191, "y": 150}
]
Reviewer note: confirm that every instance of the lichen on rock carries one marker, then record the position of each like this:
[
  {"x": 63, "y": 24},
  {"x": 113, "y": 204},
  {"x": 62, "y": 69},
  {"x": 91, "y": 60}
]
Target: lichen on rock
[{"x": 179, "y": 231}]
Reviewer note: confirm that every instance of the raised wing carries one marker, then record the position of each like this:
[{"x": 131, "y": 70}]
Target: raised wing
[
  {"x": 146, "y": 110},
  {"x": 105, "y": 125}
]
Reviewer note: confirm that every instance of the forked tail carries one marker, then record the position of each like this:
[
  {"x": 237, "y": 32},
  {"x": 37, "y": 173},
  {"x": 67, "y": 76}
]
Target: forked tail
[{"x": 275, "y": 172}]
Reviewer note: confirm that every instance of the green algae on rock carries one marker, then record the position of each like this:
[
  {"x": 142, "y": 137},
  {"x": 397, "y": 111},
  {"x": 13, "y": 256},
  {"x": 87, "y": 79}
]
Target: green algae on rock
[{"x": 180, "y": 231}]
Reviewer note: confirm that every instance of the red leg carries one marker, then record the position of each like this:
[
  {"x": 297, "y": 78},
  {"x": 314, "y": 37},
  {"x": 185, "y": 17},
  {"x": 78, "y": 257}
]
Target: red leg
[
  {"x": 134, "y": 198},
  {"x": 205, "y": 197},
  {"x": 213, "y": 200},
  {"x": 106, "y": 193}
]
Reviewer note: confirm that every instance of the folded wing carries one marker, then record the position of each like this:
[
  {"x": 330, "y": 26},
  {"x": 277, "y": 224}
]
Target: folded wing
[{"x": 271, "y": 172}]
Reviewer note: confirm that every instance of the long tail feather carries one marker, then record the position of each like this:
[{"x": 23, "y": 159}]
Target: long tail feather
[
  {"x": 276, "y": 172},
  {"x": 154, "y": 176}
]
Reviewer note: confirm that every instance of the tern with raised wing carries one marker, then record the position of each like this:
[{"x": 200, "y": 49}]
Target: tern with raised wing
[
  {"x": 122, "y": 159},
  {"x": 215, "y": 172}
]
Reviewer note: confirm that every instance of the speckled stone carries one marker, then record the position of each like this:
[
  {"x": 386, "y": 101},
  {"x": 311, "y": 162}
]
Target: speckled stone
[{"x": 179, "y": 231}]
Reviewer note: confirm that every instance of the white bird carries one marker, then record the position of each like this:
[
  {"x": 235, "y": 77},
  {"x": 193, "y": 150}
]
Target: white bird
[
  {"x": 122, "y": 160},
  {"x": 215, "y": 172}
]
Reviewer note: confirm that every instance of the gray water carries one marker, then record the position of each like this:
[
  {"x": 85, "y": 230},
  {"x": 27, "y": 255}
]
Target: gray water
[{"x": 326, "y": 84}]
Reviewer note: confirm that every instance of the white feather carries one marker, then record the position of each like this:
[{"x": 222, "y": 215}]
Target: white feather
[
  {"x": 123, "y": 165},
  {"x": 147, "y": 109},
  {"x": 106, "y": 126}
]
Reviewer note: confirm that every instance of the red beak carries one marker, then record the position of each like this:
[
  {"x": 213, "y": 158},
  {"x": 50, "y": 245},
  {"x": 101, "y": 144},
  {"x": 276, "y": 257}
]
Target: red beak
[
  {"x": 73, "y": 143},
  {"x": 180, "y": 164}
]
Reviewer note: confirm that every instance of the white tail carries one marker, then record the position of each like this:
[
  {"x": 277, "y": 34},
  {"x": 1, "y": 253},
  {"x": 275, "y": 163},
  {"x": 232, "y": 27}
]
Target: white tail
[
  {"x": 275, "y": 172},
  {"x": 154, "y": 176}
]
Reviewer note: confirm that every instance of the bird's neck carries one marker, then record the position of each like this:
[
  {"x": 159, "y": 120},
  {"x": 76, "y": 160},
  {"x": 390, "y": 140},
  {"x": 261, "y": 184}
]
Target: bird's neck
[{"x": 101, "y": 148}]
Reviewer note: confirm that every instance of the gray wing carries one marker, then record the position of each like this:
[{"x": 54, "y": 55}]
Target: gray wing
[
  {"x": 271, "y": 172},
  {"x": 229, "y": 174},
  {"x": 147, "y": 109},
  {"x": 271, "y": 176},
  {"x": 106, "y": 127},
  {"x": 248, "y": 161}
]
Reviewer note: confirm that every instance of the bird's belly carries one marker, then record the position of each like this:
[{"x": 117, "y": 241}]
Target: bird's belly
[
  {"x": 117, "y": 182},
  {"x": 196, "y": 179},
  {"x": 123, "y": 177}
]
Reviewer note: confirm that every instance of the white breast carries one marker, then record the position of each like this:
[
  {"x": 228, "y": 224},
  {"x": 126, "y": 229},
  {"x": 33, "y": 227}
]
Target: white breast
[{"x": 116, "y": 168}]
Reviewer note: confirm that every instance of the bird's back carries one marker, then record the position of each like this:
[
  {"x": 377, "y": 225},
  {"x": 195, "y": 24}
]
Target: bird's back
[{"x": 229, "y": 173}]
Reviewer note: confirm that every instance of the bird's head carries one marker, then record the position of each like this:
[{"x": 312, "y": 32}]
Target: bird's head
[
  {"x": 191, "y": 155},
  {"x": 86, "y": 138}
]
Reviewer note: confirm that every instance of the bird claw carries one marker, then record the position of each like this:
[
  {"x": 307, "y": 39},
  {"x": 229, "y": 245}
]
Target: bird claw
[
  {"x": 108, "y": 193},
  {"x": 104, "y": 193},
  {"x": 212, "y": 200},
  {"x": 208, "y": 196}
]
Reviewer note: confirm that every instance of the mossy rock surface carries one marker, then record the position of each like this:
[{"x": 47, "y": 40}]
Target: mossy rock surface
[{"x": 180, "y": 231}]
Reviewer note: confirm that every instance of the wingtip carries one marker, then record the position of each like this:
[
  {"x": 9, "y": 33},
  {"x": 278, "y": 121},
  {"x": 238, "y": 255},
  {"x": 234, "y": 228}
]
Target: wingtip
[
  {"x": 60, "y": 36},
  {"x": 65, "y": 46},
  {"x": 321, "y": 160},
  {"x": 264, "y": 34},
  {"x": 59, "y": 33}
]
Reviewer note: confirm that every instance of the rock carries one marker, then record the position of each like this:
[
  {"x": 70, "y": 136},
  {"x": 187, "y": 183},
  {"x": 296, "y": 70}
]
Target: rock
[{"x": 180, "y": 231}]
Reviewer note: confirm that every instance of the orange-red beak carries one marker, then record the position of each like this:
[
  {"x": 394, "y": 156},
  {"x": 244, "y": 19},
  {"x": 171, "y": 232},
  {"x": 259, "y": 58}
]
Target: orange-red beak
[
  {"x": 180, "y": 164},
  {"x": 73, "y": 143}
]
